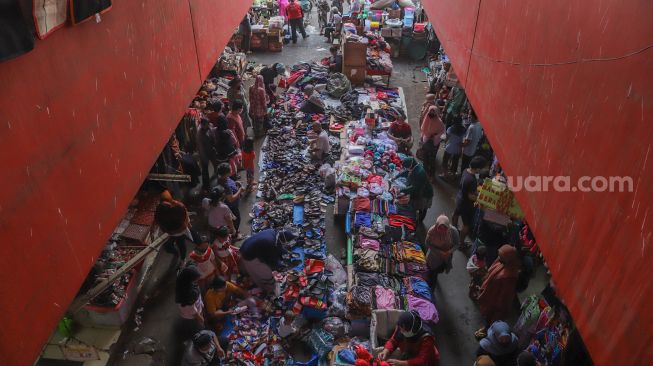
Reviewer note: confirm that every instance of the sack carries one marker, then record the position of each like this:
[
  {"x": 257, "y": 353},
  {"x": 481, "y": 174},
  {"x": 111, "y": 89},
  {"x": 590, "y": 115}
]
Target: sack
[{"x": 338, "y": 85}]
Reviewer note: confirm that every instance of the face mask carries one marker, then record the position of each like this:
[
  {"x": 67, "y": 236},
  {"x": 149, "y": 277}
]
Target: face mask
[
  {"x": 407, "y": 334},
  {"x": 477, "y": 175}
]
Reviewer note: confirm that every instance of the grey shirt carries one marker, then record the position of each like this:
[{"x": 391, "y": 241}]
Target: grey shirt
[{"x": 474, "y": 134}]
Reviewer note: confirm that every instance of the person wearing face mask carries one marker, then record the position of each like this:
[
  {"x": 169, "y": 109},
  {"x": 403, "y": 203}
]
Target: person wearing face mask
[
  {"x": 466, "y": 196},
  {"x": 441, "y": 240},
  {"x": 500, "y": 344},
  {"x": 472, "y": 138},
  {"x": 203, "y": 350},
  {"x": 414, "y": 340}
]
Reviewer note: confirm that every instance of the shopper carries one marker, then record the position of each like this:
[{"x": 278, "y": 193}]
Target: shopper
[
  {"x": 235, "y": 93},
  {"x": 269, "y": 74},
  {"x": 418, "y": 186},
  {"x": 498, "y": 290},
  {"x": 466, "y": 197},
  {"x": 214, "y": 111},
  {"x": 320, "y": 147},
  {"x": 333, "y": 27},
  {"x": 172, "y": 218},
  {"x": 477, "y": 269},
  {"x": 283, "y": 5},
  {"x": 245, "y": 30},
  {"x": 217, "y": 211},
  {"x": 296, "y": 20},
  {"x": 258, "y": 105},
  {"x": 431, "y": 130},
  {"x": 204, "y": 258},
  {"x": 249, "y": 163},
  {"x": 226, "y": 145},
  {"x": 429, "y": 101},
  {"x": 233, "y": 191},
  {"x": 441, "y": 240},
  {"x": 261, "y": 254},
  {"x": 206, "y": 148},
  {"x": 189, "y": 299},
  {"x": 472, "y": 138},
  {"x": 401, "y": 133},
  {"x": 226, "y": 253},
  {"x": 222, "y": 296},
  {"x": 414, "y": 340},
  {"x": 335, "y": 60},
  {"x": 235, "y": 122},
  {"x": 203, "y": 350},
  {"x": 453, "y": 149},
  {"x": 500, "y": 344}
]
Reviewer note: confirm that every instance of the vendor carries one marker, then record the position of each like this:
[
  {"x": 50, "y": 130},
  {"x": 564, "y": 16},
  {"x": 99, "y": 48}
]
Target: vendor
[
  {"x": 321, "y": 146},
  {"x": 261, "y": 254},
  {"x": 414, "y": 340},
  {"x": 313, "y": 104},
  {"x": 335, "y": 61},
  {"x": 418, "y": 186},
  {"x": 401, "y": 133}
]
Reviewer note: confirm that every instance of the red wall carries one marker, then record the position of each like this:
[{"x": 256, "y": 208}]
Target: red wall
[
  {"x": 82, "y": 119},
  {"x": 566, "y": 88}
]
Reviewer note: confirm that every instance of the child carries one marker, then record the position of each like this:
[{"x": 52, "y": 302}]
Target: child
[
  {"x": 226, "y": 253},
  {"x": 249, "y": 156},
  {"x": 477, "y": 269},
  {"x": 207, "y": 265}
]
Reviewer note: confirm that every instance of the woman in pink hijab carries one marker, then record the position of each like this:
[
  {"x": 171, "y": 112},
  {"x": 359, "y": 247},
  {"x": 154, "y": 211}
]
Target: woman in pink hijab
[
  {"x": 283, "y": 4},
  {"x": 258, "y": 101},
  {"x": 431, "y": 128}
]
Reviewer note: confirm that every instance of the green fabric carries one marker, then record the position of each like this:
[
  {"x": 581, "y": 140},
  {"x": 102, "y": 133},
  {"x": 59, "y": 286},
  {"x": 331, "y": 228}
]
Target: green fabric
[
  {"x": 457, "y": 101},
  {"x": 418, "y": 183}
]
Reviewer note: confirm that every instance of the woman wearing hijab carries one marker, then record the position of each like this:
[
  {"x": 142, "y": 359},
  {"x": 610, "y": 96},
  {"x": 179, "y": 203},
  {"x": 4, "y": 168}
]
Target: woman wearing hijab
[
  {"x": 237, "y": 93},
  {"x": 499, "y": 288},
  {"x": 226, "y": 145},
  {"x": 431, "y": 130},
  {"x": 429, "y": 101},
  {"x": 441, "y": 240},
  {"x": 418, "y": 187},
  {"x": 188, "y": 299},
  {"x": 414, "y": 340},
  {"x": 258, "y": 102},
  {"x": 500, "y": 344}
]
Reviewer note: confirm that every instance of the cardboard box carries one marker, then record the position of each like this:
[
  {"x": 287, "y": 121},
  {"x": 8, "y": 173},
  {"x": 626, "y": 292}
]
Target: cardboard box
[
  {"x": 275, "y": 46},
  {"x": 394, "y": 14},
  {"x": 354, "y": 54},
  {"x": 355, "y": 74}
]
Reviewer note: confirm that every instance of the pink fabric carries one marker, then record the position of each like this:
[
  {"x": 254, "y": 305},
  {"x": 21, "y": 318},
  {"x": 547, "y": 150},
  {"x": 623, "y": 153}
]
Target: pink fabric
[
  {"x": 366, "y": 243},
  {"x": 283, "y": 4},
  {"x": 385, "y": 298},
  {"x": 431, "y": 128},
  {"x": 236, "y": 126},
  {"x": 258, "y": 99},
  {"x": 426, "y": 309}
]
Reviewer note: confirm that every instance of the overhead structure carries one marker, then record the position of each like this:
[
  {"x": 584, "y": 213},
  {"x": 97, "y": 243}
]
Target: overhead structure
[{"x": 563, "y": 88}]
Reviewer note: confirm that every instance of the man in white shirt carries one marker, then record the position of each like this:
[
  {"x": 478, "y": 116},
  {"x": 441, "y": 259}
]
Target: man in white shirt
[
  {"x": 321, "y": 146},
  {"x": 471, "y": 139}
]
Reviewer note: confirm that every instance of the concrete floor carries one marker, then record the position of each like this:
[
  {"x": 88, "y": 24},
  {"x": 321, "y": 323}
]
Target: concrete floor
[{"x": 459, "y": 316}]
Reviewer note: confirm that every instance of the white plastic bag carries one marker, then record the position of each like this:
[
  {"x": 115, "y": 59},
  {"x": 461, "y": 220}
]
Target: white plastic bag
[{"x": 339, "y": 274}]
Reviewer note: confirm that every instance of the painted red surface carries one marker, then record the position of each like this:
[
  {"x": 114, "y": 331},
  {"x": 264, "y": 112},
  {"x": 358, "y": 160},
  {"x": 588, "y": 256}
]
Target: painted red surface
[
  {"x": 565, "y": 88},
  {"x": 82, "y": 119}
]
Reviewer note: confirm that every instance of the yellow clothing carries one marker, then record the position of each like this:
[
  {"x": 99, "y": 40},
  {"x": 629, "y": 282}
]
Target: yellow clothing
[{"x": 215, "y": 299}]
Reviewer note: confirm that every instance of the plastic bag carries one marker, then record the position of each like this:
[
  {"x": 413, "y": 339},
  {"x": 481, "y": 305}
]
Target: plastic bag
[
  {"x": 320, "y": 341},
  {"x": 339, "y": 274},
  {"x": 338, "y": 302},
  {"x": 335, "y": 326}
]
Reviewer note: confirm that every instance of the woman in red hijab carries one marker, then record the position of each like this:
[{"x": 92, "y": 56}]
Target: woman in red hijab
[{"x": 499, "y": 288}]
